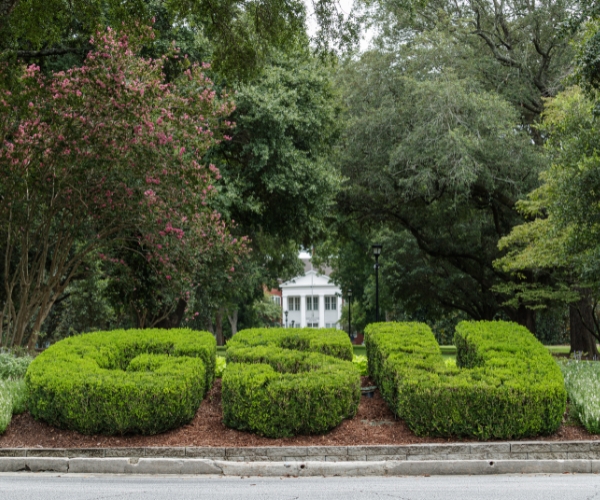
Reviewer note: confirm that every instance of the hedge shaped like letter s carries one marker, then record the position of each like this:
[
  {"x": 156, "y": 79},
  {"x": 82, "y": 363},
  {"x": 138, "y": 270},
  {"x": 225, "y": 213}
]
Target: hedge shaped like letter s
[
  {"x": 122, "y": 381},
  {"x": 286, "y": 381},
  {"x": 505, "y": 385}
]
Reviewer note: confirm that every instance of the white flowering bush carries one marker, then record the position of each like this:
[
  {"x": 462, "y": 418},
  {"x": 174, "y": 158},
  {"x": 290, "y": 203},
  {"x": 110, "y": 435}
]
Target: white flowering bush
[{"x": 582, "y": 381}]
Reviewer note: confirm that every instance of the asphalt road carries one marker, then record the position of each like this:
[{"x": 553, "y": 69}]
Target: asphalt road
[{"x": 28, "y": 486}]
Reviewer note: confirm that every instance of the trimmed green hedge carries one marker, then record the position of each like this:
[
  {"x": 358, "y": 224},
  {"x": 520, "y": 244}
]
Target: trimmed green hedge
[
  {"x": 122, "y": 381},
  {"x": 286, "y": 381},
  {"x": 506, "y": 385}
]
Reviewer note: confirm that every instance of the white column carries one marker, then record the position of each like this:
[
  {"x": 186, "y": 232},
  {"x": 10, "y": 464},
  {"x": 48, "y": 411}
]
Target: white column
[
  {"x": 302, "y": 311},
  {"x": 321, "y": 310},
  {"x": 339, "y": 310}
]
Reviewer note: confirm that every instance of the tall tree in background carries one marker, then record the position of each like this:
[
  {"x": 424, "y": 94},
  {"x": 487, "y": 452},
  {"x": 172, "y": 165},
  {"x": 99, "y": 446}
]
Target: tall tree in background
[
  {"x": 436, "y": 162},
  {"x": 561, "y": 237},
  {"x": 439, "y": 163},
  {"x": 241, "y": 33}
]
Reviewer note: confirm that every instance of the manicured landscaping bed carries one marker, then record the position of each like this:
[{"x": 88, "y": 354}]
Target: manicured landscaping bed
[
  {"x": 318, "y": 362},
  {"x": 373, "y": 424}
]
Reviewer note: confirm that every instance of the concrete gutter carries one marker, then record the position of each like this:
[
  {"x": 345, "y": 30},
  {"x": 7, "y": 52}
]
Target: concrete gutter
[{"x": 427, "y": 459}]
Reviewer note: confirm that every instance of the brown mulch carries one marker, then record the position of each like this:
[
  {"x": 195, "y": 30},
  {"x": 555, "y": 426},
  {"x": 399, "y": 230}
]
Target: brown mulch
[{"x": 373, "y": 424}]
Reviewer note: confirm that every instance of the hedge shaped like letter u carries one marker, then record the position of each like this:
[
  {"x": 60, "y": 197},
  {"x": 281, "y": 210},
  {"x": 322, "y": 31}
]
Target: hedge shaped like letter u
[
  {"x": 505, "y": 385},
  {"x": 286, "y": 381},
  {"x": 122, "y": 381}
]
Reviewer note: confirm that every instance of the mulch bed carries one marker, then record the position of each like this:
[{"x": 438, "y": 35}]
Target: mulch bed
[{"x": 373, "y": 424}]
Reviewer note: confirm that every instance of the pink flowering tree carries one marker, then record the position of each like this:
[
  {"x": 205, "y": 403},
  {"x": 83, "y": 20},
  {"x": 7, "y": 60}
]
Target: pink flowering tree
[{"x": 98, "y": 159}]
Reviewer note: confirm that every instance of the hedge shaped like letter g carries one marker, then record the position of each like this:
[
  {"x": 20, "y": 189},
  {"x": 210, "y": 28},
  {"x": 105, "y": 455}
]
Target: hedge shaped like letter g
[
  {"x": 122, "y": 381},
  {"x": 286, "y": 381},
  {"x": 505, "y": 385}
]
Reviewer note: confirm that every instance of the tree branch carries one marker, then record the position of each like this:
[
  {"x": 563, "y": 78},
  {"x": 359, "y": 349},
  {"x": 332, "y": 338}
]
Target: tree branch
[{"x": 29, "y": 54}]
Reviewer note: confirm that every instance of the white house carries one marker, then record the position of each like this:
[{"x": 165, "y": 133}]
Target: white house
[{"x": 311, "y": 300}]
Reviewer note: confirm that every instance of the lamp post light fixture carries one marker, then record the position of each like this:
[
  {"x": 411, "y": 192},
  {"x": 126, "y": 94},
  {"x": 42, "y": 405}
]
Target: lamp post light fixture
[
  {"x": 350, "y": 313},
  {"x": 286, "y": 313},
  {"x": 376, "y": 253},
  {"x": 292, "y": 323}
]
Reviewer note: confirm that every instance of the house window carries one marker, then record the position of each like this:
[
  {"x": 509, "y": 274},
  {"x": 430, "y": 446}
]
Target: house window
[
  {"x": 331, "y": 303},
  {"x": 276, "y": 299},
  {"x": 293, "y": 303},
  {"x": 312, "y": 325},
  {"x": 312, "y": 303}
]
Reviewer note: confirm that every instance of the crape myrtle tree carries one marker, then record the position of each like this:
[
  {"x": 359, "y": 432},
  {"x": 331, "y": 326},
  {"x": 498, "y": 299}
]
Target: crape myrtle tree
[{"x": 99, "y": 158}]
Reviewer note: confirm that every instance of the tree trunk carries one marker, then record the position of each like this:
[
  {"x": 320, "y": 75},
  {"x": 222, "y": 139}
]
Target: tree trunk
[
  {"x": 219, "y": 327},
  {"x": 526, "y": 317},
  {"x": 581, "y": 320},
  {"x": 233, "y": 321},
  {"x": 174, "y": 319}
]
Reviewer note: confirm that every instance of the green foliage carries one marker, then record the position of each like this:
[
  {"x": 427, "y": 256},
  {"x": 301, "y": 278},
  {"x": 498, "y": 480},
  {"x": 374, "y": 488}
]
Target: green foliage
[
  {"x": 13, "y": 391},
  {"x": 582, "y": 379},
  {"x": 220, "y": 367},
  {"x": 434, "y": 166},
  {"x": 277, "y": 168},
  {"x": 267, "y": 312},
  {"x": 362, "y": 364},
  {"x": 236, "y": 35},
  {"x": 122, "y": 381},
  {"x": 285, "y": 381},
  {"x": 13, "y": 367},
  {"x": 562, "y": 234},
  {"x": 505, "y": 383}
]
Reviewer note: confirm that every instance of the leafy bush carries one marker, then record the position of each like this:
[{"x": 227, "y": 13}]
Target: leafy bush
[
  {"x": 287, "y": 381},
  {"x": 122, "y": 381},
  {"x": 12, "y": 401},
  {"x": 505, "y": 385},
  {"x": 220, "y": 367},
  {"x": 13, "y": 367},
  {"x": 361, "y": 363},
  {"x": 582, "y": 380},
  {"x": 13, "y": 394}
]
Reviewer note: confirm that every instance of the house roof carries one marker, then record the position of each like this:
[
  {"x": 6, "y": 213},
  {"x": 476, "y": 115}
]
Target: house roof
[{"x": 311, "y": 278}]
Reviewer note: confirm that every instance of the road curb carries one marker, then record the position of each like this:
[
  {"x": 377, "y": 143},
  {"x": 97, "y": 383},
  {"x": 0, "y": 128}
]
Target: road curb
[{"x": 201, "y": 466}]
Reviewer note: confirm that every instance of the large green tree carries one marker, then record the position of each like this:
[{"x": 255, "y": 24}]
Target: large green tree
[
  {"x": 439, "y": 162},
  {"x": 520, "y": 50}
]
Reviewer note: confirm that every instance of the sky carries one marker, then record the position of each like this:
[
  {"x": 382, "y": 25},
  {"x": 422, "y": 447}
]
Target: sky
[{"x": 346, "y": 7}]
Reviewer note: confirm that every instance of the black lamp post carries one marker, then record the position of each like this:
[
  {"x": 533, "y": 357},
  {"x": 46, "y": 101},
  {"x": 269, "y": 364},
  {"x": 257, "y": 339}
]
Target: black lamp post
[
  {"x": 350, "y": 313},
  {"x": 286, "y": 313},
  {"x": 292, "y": 323},
  {"x": 376, "y": 253}
]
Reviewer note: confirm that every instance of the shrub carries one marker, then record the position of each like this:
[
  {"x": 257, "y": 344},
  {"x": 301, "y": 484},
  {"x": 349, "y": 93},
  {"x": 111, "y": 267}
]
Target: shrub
[
  {"x": 582, "y": 379},
  {"x": 12, "y": 401},
  {"x": 361, "y": 363},
  {"x": 286, "y": 381},
  {"x": 122, "y": 381},
  {"x": 13, "y": 393},
  {"x": 220, "y": 367},
  {"x": 505, "y": 385},
  {"x": 13, "y": 367}
]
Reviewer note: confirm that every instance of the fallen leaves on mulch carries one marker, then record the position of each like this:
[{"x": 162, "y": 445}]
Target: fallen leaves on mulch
[{"x": 373, "y": 424}]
